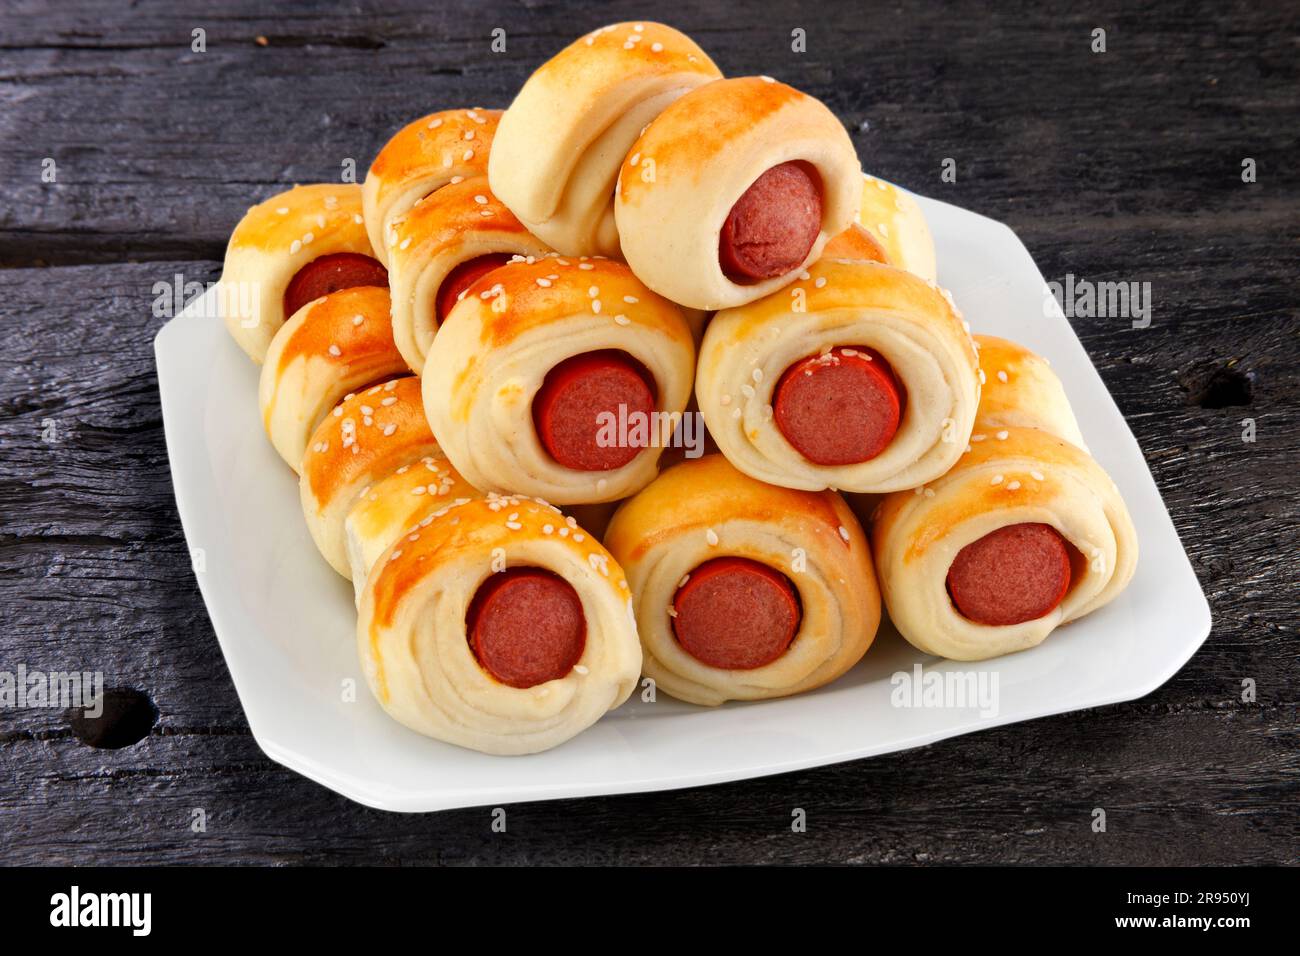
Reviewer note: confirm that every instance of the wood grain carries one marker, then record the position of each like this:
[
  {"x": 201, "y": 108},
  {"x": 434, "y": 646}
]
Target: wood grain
[{"x": 1117, "y": 166}]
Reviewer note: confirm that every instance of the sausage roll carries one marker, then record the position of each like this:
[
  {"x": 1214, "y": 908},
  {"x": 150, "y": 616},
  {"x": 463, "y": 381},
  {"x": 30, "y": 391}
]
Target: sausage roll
[
  {"x": 559, "y": 378},
  {"x": 561, "y": 142},
  {"x": 732, "y": 190},
  {"x": 498, "y": 625},
  {"x": 422, "y": 157},
  {"x": 858, "y": 377},
  {"x": 744, "y": 590},
  {"x": 289, "y": 250},
  {"x": 371, "y": 436},
  {"x": 439, "y": 247},
  {"x": 331, "y": 346},
  {"x": 1025, "y": 533},
  {"x": 888, "y": 228}
]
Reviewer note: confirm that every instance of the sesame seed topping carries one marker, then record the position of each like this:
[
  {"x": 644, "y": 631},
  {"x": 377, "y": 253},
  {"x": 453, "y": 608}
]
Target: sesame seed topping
[
  {"x": 358, "y": 319},
  {"x": 335, "y": 351},
  {"x": 821, "y": 282},
  {"x": 997, "y": 480},
  {"x": 622, "y": 319},
  {"x": 389, "y": 429},
  {"x": 844, "y": 532},
  {"x": 1036, "y": 475},
  {"x": 711, "y": 536},
  {"x": 469, "y": 154},
  {"x": 435, "y": 123},
  {"x": 1002, "y": 376},
  {"x": 480, "y": 199},
  {"x": 1013, "y": 485},
  {"x": 1002, "y": 435},
  {"x": 544, "y": 283},
  {"x": 656, "y": 47}
]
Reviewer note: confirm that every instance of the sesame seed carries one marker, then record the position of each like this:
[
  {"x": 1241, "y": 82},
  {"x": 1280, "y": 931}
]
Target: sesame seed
[
  {"x": 283, "y": 210},
  {"x": 595, "y": 306},
  {"x": 1013, "y": 485},
  {"x": 844, "y": 532},
  {"x": 455, "y": 180},
  {"x": 982, "y": 377},
  {"x": 736, "y": 412},
  {"x": 469, "y": 134},
  {"x": 1036, "y": 475},
  {"x": 657, "y": 47},
  {"x": 469, "y": 154},
  {"x": 929, "y": 492},
  {"x": 622, "y": 320},
  {"x": 978, "y": 437},
  {"x": 307, "y": 238},
  {"x": 335, "y": 351},
  {"x": 358, "y": 319},
  {"x": 711, "y": 536},
  {"x": 631, "y": 299},
  {"x": 593, "y": 291},
  {"x": 295, "y": 246},
  {"x": 581, "y": 669},
  {"x": 514, "y": 525},
  {"x": 419, "y": 489},
  {"x": 585, "y": 265},
  {"x": 747, "y": 391},
  {"x": 480, "y": 199},
  {"x": 544, "y": 283},
  {"x": 757, "y": 375},
  {"x": 389, "y": 429},
  {"x": 435, "y": 123},
  {"x": 997, "y": 480},
  {"x": 548, "y": 528},
  {"x": 634, "y": 159},
  {"x": 821, "y": 282},
  {"x": 1002, "y": 435}
]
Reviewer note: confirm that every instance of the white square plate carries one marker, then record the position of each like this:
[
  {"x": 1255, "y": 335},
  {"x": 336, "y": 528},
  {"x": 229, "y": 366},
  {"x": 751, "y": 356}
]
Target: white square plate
[{"x": 286, "y": 621}]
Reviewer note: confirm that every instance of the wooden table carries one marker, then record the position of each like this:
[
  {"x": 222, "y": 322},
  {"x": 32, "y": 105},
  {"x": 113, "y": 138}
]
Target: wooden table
[{"x": 1117, "y": 166}]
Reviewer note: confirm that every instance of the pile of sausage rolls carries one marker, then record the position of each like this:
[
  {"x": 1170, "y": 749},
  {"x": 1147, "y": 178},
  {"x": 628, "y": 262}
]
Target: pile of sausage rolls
[{"x": 452, "y": 354}]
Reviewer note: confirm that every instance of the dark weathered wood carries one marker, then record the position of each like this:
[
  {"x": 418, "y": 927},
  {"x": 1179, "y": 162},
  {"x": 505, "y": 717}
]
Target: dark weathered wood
[{"x": 1117, "y": 166}]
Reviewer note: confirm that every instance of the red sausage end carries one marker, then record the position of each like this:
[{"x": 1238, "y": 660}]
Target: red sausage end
[
  {"x": 1015, "y": 574},
  {"x": 462, "y": 277},
  {"x": 773, "y": 224},
  {"x": 342, "y": 270},
  {"x": 526, "y": 626},
  {"x": 839, "y": 409},
  {"x": 736, "y": 614},
  {"x": 568, "y": 409}
]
